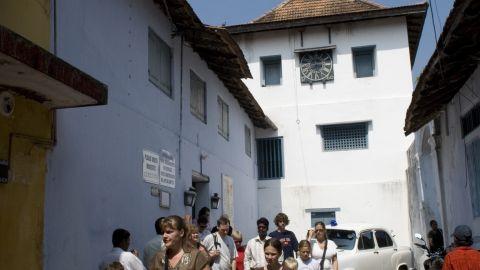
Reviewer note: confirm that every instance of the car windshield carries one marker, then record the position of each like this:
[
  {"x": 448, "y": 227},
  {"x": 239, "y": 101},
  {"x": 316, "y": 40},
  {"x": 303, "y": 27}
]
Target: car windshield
[{"x": 343, "y": 238}]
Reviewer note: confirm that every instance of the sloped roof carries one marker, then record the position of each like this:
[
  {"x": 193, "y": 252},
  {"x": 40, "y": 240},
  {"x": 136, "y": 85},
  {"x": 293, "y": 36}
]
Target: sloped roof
[
  {"x": 221, "y": 53},
  {"x": 300, "y": 9},
  {"x": 302, "y": 13},
  {"x": 451, "y": 65}
]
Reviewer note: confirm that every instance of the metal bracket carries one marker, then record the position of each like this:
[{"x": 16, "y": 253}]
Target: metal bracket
[{"x": 4, "y": 169}]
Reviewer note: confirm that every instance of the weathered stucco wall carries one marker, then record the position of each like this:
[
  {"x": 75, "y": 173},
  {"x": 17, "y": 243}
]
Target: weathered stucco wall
[
  {"x": 336, "y": 179},
  {"x": 27, "y": 136},
  {"x": 94, "y": 183},
  {"x": 444, "y": 184},
  {"x": 29, "y": 18}
]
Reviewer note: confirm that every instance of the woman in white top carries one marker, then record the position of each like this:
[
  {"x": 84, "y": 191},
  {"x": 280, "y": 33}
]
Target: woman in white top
[{"x": 326, "y": 257}]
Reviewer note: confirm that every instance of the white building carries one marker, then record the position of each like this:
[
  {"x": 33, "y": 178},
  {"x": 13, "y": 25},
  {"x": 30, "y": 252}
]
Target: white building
[
  {"x": 335, "y": 77},
  {"x": 175, "y": 86},
  {"x": 444, "y": 160}
]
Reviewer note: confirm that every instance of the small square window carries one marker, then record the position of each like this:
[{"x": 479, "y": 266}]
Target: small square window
[
  {"x": 325, "y": 217},
  {"x": 271, "y": 70},
  {"x": 159, "y": 63},
  {"x": 364, "y": 61},
  {"x": 197, "y": 97},
  {"x": 223, "y": 128}
]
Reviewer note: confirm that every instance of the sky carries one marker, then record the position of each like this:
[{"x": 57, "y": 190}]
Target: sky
[{"x": 218, "y": 12}]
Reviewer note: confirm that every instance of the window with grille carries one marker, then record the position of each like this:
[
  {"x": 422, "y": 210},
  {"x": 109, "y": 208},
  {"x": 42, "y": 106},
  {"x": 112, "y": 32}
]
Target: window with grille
[
  {"x": 364, "y": 61},
  {"x": 159, "y": 63},
  {"x": 223, "y": 118},
  {"x": 471, "y": 120},
  {"x": 270, "y": 158},
  {"x": 473, "y": 170},
  {"x": 197, "y": 97},
  {"x": 272, "y": 70},
  {"x": 345, "y": 136},
  {"x": 248, "y": 142}
]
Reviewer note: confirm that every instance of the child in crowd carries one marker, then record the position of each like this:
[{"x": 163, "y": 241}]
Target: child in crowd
[
  {"x": 290, "y": 264},
  {"x": 305, "y": 262}
]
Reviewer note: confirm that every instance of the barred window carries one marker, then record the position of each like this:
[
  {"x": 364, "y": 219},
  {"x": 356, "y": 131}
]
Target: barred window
[
  {"x": 345, "y": 136},
  {"x": 270, "y": 158},
  {"x": 471, "y": 120}
]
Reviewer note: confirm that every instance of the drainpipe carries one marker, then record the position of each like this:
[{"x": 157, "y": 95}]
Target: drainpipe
[{"x": 181, "y": 110}]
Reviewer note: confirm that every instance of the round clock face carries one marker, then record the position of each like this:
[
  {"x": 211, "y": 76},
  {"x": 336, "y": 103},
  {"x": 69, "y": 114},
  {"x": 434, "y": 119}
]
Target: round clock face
[{"x": 316, "y": 66}]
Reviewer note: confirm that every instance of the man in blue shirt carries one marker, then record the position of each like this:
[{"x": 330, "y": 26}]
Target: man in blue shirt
[{"x": 286, "y": 237}]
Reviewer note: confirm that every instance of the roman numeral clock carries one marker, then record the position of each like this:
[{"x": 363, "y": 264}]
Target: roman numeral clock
[{"x": 316, "y": 66}]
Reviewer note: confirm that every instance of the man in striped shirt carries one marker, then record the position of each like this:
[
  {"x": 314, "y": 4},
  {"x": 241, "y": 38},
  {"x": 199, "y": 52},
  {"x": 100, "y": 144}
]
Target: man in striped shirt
[{"x": 254, "y": 255}]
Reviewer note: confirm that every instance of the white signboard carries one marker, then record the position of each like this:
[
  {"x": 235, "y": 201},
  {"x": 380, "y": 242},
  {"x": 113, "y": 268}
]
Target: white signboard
[
  {"x": 151, "y": 162},
  {"x": 167, "y": 169}
]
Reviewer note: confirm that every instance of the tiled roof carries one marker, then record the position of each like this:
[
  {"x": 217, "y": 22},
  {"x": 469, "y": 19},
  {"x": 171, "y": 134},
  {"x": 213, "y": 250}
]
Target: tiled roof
[{"x": 300, "y": 9}]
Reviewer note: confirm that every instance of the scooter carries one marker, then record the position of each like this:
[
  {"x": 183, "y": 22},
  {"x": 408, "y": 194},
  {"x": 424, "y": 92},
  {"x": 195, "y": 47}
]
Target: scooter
[{"x": 434, "y": 260}]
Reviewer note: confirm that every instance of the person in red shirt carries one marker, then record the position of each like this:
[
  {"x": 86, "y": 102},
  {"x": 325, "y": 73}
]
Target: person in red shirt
[
  {"x": 463, "y": 256},
  {"x": 237, "y": 238}
]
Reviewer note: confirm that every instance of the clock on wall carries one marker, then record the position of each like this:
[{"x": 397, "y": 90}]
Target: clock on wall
[{"x": 316, "y": 66}]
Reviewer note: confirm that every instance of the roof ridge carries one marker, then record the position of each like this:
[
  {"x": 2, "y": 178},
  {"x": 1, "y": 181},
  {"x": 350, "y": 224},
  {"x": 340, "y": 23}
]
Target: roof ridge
[
  {"x": 369, "y": 2},
  {"x": 290, "y": 8},
  {"x": 282, "y": 4}
]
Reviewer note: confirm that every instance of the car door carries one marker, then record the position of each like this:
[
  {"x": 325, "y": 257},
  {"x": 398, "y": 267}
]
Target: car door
[
  {"x": 386, "y": 249},
  {"x": 367, "y": 256}
]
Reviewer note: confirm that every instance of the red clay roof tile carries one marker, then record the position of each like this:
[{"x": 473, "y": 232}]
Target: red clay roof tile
[{"x": 300, "y": 9}]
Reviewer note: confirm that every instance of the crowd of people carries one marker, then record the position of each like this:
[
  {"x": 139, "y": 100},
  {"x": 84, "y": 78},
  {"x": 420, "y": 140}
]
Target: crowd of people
[{"x": 183, "y": 244}]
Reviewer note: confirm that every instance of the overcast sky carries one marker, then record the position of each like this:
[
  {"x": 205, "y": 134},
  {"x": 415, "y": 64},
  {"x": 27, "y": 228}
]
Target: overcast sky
[{"x": 217, "y": 12}]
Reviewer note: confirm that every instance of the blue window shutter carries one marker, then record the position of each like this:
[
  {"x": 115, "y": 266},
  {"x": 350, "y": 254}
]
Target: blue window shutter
[{"x": 364, "y": 61}]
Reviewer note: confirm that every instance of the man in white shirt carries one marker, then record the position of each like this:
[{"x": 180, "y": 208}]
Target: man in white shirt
[
  {"x": 221, "y": 246},
  {"x": 254, "y": 255},
  {"x": 119, "y": 253},
  {"x": 154, "y": 245}
]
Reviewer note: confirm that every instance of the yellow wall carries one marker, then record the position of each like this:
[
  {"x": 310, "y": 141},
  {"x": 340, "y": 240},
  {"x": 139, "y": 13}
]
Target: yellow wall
[
  {"x": 29, "y": 18},
  {"x": 22, "y": 198}
]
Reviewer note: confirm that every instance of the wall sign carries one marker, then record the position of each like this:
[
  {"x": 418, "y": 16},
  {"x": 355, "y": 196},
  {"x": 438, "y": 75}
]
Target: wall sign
[
  {"x": 167, "y": 169},
  {"x": 164, "y": 201},
  {"x": 151, "y": 162}
]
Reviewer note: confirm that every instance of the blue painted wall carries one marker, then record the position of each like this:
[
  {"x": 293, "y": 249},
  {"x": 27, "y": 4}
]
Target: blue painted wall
[{"x": 94, "y": 182}]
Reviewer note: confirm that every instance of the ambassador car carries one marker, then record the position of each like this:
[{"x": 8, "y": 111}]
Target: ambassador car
[{"x": 367, "y": 247}]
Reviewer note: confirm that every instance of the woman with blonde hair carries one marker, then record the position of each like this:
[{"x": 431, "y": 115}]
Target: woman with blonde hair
[
  {"x": 238, "y": 239},
  {"x": 193, "y": 237},
  {"x": 178, "y": 254}
]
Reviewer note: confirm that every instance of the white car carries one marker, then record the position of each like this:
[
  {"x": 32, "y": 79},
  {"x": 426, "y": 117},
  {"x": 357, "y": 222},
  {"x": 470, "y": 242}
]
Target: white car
[{"x": 368, "y": 247}]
